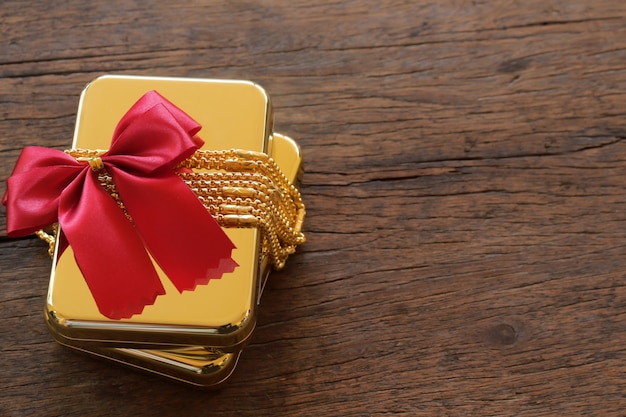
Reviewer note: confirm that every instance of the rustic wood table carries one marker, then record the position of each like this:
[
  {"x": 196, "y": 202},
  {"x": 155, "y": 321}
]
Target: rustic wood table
[{"x": 466, "y": 192}]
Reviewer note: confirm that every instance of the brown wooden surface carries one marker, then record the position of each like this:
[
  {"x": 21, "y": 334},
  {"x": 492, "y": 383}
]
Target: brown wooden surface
[{"x": 466, "y": 192}]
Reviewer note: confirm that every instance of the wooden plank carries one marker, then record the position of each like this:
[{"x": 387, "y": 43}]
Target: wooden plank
[{"x": 465, "y": 166}]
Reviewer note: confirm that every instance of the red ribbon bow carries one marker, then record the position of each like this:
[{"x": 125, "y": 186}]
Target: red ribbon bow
[{"x": 168, "y": 220}]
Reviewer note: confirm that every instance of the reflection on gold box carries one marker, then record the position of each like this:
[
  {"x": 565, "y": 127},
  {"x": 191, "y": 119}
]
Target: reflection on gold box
[{"x": 193, "y": 336}]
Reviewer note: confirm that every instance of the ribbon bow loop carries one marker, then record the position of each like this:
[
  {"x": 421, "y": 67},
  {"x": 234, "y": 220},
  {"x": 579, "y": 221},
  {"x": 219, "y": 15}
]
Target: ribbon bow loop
[
  {"x": 166, "y": 218},
  {"x": 154, "y": 120}
]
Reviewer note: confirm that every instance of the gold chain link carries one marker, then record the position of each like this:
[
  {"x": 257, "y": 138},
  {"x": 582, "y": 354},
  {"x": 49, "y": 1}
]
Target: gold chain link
[
  {"x": 49, "y": 236},
  {"x": 239, "y": 188}
]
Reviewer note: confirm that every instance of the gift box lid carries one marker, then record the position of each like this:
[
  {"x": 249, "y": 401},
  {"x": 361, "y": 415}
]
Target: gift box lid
[{"x": 221, "y": 313}]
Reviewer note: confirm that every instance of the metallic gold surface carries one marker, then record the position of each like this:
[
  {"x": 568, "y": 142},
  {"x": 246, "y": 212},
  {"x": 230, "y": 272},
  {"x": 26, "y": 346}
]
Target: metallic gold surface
[
  {"x": 197, "y": 365},
  {"x": 202, "y": 367},
  {"x": 221, "y": 313}
]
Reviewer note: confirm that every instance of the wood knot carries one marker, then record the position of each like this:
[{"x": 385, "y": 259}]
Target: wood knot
[{"x": 502, "y": 334}]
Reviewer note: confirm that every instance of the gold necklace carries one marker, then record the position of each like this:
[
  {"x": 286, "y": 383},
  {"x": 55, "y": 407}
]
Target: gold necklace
[{"x": 240, "y": 188}]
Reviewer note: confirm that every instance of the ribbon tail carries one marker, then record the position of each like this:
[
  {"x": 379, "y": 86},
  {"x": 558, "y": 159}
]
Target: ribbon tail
[
  {"x": 107, "y": 249},
  {"x": 182, "y": 236}
]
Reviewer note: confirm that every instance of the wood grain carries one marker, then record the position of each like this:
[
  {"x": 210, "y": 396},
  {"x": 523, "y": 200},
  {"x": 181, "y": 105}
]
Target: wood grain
[{"x": 465, "y": 189}]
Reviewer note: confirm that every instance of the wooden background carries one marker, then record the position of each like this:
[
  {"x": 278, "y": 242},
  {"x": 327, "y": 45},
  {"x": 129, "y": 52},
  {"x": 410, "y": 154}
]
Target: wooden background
[{"x": 466, "y": 192}]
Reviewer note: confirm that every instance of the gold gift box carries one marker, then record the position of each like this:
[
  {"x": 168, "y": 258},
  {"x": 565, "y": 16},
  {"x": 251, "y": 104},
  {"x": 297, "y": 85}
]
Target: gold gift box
[{"x": 193, "y": 336}]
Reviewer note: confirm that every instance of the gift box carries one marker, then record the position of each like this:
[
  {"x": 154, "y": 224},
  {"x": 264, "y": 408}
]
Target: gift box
[{"x": 175, "y": 202}]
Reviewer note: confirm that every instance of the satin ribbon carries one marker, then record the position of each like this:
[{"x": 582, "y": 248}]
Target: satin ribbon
[{"x": 169, "y": 223}]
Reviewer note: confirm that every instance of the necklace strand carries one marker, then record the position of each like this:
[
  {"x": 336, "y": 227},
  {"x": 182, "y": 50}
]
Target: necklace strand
[{"x": 240, "y": 188}]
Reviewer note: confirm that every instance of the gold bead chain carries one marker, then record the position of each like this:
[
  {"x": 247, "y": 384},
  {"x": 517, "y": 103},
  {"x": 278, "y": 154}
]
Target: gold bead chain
[
  {"x": 239, "y": 188},
  {"x": 49, "y": 236},
  {"x": 247, "y": 189}
]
